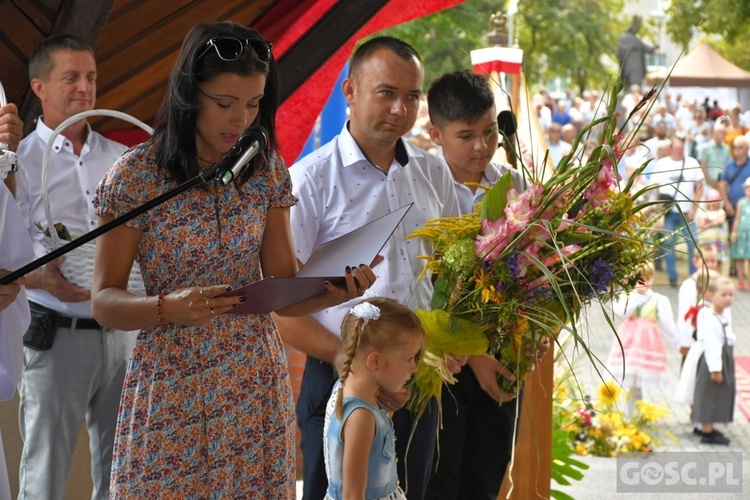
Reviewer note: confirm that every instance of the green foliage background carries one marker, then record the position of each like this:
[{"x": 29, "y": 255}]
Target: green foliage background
[{"x": 575, "y": 40}]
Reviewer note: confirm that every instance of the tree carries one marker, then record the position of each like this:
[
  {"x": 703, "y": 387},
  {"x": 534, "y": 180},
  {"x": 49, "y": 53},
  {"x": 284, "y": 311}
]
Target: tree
[
  {"x": 445, "y": 40},
  {"x": 728, "y": 18},
  {"x": 570, "y": 39}
]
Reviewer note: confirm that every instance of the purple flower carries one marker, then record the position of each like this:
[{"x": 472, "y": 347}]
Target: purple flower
[
  {"x": 512, "y": 265},
  {"x": 600, "y": 274}
]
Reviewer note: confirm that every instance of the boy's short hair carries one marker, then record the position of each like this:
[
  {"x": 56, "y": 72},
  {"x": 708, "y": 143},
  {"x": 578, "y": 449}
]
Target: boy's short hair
[
  {"x": 714, "y": 285},
  {"x": 459, "y": 96}
]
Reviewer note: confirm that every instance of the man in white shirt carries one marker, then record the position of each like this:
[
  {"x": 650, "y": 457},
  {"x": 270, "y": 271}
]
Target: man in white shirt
[
  {"x": 365, "y": 172},
  {"x": 79, "y": 378},
  {"x": 679, "y": 177}
]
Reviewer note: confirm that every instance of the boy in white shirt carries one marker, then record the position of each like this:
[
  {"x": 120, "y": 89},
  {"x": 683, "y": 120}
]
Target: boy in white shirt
[{"x": 476, "y": 439}]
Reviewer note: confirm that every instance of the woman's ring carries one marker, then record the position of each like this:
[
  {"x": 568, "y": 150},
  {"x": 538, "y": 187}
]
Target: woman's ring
[
  {"x": 201, "y": 292},
  {"x": 212, "y": 310}
]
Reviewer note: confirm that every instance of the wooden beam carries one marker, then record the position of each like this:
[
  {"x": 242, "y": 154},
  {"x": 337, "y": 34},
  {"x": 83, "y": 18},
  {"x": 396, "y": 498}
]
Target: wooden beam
[
  {"x": 312, "y": 49},
  {"x": 529, "y": 474},
  {"x": 76, "y": 17}
]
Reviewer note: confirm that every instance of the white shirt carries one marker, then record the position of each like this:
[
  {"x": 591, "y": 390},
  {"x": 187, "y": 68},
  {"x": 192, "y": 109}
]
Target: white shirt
[
  {"x": 339, "y": 190},
  {"x": 557, "y": 151},
  {"x": 467, "y": 199},
  {"x": 711, "y": 335},
  {"x": 687, "y": 298},
  {"x": 666, "y": 173},
  {"x": 15, "y": 252},
  {"x": 72, "y": 182}
]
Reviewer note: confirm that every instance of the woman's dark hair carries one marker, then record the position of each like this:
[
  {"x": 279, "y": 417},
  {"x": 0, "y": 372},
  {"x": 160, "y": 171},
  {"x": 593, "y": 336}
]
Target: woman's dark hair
[{"x": 175, "y": 133}]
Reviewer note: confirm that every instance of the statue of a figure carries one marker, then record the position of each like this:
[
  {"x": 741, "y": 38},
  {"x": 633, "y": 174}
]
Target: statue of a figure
[
  {"x": 498, "y": 34},
  {"x": 631, "y": 51}
]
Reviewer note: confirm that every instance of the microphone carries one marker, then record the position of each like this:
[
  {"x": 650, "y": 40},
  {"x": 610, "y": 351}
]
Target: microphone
[
  {"x": 253, "y": 140},
  {"x": 507, "y": 124},
  {"x": 506, "y": 121}
]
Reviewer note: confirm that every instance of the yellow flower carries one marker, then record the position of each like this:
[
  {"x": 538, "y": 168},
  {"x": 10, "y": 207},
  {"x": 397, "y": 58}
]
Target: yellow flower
[
  {"x": 639, "y": 439},
  {"x": 581, "y": 449},
  {"x": 486, "y": 287},
  {"x": 650, "y": 412},
  {"x": 609, "y": 392}
]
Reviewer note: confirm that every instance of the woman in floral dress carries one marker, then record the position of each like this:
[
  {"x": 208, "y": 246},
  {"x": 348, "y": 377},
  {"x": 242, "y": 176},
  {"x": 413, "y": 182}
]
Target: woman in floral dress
[{"x": 206, "y": 409}]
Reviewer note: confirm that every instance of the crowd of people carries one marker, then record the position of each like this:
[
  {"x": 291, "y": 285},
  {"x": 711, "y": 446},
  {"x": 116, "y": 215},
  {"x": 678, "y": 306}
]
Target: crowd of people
[{"x": 181, "y": 398}]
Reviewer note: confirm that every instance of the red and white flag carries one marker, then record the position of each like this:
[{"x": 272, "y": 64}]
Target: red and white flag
[{"x": 497, "y": 59}]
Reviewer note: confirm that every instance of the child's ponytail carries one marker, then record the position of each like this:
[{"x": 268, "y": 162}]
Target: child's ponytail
[{"x": 351, "y": 341}]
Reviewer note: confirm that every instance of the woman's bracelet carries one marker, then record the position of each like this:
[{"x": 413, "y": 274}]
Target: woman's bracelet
[{"x": 159, "y": 311}]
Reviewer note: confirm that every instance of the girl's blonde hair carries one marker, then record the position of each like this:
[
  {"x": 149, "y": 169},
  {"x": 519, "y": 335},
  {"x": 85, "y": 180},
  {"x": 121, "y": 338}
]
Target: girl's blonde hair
[
  {"x": 396, "y": 326},
  {"x": 647, "y": 270}
]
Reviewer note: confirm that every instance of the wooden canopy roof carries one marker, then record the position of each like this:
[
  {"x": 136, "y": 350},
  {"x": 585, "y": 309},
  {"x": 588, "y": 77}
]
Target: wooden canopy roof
[{"x": 704, "y": 67}]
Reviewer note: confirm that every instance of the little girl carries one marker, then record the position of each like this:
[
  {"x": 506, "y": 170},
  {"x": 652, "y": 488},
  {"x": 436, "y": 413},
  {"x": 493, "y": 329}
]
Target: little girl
[
  {"x": 643, "y": 353},
  {"x": 381, "y": 344},
  {"x": 741, "y": 238},
  {"x": 712, "y": 226},
  {"x": 713, "y": 400}
]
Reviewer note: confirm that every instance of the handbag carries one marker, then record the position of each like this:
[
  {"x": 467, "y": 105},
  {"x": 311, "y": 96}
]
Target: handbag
[{"x": 41, "y": 332}]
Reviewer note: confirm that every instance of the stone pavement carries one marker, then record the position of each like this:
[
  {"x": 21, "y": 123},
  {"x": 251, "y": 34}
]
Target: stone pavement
[{"x": 600, "y": 481}]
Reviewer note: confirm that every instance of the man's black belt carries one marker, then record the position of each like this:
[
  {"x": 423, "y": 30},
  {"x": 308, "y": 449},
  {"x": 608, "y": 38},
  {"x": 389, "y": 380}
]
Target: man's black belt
[{"x": 67, "y": 321}]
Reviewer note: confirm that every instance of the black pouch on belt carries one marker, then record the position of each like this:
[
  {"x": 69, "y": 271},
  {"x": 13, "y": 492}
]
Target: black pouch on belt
[{"x": 41, "y": 332}]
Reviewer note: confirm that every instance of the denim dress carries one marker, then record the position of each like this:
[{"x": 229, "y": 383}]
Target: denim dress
[{"x": 382, "y": 479}]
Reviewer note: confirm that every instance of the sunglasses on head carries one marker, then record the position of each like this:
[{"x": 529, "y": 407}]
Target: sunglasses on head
[{"x": 230, "y": 49}]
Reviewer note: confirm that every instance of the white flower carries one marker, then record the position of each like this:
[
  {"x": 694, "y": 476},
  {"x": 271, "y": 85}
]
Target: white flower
[{"x": 366, "y": 311}]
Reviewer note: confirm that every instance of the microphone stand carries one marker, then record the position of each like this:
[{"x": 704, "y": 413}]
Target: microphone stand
[{"x": 203, "y": 177}]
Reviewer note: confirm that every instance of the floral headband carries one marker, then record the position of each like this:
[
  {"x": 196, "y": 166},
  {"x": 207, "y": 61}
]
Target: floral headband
[{"x": 366, "y": 311}]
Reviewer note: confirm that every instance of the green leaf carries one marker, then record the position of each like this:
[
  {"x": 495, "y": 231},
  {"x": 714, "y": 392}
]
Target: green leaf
[
  {"x": 496, "y": 198},
  {"x": 559, "y": 495},
  {"x": 564, "y": 466},
  {"x": 439, "y": 296}
]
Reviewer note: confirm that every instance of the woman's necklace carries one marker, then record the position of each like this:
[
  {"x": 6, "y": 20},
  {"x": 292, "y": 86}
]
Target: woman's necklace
[{"x": 207, "y": 163}]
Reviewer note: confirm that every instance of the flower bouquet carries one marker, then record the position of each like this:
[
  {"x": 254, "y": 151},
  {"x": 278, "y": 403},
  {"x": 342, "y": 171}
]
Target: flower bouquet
[
  {"x": 523, "y": 265},
  {"x": 601, "y": 429}
]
